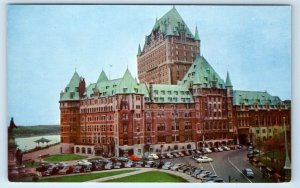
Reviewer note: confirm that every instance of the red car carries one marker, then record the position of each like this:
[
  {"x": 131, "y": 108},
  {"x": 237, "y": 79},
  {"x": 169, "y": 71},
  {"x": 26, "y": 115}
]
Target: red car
[{"x": 134, "y": 158}]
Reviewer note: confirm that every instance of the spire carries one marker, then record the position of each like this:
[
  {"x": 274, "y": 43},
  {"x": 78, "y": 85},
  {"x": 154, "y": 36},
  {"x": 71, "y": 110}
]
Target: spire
[
  {"x": 139, "y": 50},
  {"x": 196, "y": 34},
  {"x": 102, "y": 77},
  {"x": 228, "y": 81}
]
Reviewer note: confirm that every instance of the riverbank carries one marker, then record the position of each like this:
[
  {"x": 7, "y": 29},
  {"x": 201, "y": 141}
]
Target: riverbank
[{"x": 37, "y": 130}]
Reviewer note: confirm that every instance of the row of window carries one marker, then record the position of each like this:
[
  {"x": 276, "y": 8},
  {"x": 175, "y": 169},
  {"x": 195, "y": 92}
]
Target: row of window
[
  {"x": 96, "y": 109},
  {"x": 96, "y": 128}
]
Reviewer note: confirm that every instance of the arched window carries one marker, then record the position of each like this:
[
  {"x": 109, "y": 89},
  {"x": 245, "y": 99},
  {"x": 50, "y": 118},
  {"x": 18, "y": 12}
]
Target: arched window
[
  {"x": 89, "y": 151},
  {"x": 77, "y": 149},
  {"x": 83, "y": 150},
  {"x": 175, "y": 147},
  {"x": 189, "y": 146}
]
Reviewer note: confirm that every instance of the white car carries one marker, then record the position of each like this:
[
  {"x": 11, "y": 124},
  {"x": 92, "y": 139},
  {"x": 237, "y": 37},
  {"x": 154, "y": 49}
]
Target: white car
[
  {"x": 220, "y": 149},
  {"x": 153, "y": 155},
  {"x": 84, "y": 162},
  {"x": 207, "y": 150},
  {"x": 204, "y": 159},
  {"x": 225, "y": 148}
]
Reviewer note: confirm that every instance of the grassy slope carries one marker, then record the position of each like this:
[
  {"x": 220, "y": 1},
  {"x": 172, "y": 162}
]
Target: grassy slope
[
  {"x": 85, "y": 177},
  {"x": 63, "y": 157},
  {"x": 39, "y": 130},
  {"x": 154, "y": 176}
]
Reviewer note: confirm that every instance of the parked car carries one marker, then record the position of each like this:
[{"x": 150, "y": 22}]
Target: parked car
[
  {"x": 161, "y": 156},
  {"x": 209, "y": 177},
  {"x": 196, "y": 172},
  {"x": 216, "y": 180},
  {"x": 167, "y": 165},
  {"x": 117, "y": 165},
  {"x": 154, "y": 156},
  {"x": 84, "y": 162},
  {"x": 198, "y": 152},
  {"x": 78, "y": 169},
  {"x": 180, "y": 154},
  {"x": 66, "y": 170},
  {"x": 183, "y": 168},
  {"x": 169, "y": 156},
  {"x": 128, "y": 164},
  {"x": 220, "y": 149},
  {"x": 149, "y": 164},
  {"x": 87, "y": 168},
  {"x": 138, "y": 164},
  {"x": 190, "y": 170},
  {"x": 52, "y": 170},
  {"x": 158, "y": 164},
  {"x": 43, "y": 167},
  {"x": 203, "y": 174},
  {"x": 204, "y": 159},
  {"x": 176, "y": 154},
  {"x": 108, "y": 166},
  {"x": 61, "y": 165},
  {"x": 207, "y": 150},
  {"x": 248, "y": 172},
  {"x": 186, "y": 152},
  {"x": 175, "y": 167},
  {"x": 134, "y": 158},
  {"x": 122, "y": 159},
  {"x": 225, "y": 148}
]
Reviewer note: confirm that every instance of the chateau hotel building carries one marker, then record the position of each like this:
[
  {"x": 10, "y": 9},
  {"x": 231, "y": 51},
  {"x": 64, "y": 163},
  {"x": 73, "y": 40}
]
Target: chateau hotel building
[{"x": 180, "y": 103}]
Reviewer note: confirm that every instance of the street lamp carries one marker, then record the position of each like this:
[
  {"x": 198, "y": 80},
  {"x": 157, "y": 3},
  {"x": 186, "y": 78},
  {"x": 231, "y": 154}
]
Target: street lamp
[{"x": 161, "y": 147}]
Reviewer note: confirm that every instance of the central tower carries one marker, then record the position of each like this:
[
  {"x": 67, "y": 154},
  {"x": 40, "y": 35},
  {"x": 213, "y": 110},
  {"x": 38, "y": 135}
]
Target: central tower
[{"x": 169, "y": 50}]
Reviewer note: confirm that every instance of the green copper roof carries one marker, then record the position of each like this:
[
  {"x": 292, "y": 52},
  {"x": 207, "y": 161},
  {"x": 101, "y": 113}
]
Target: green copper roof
[
  {"x": 228, "y": 81},
  {"x": 163, "y": 93},
  {"x": 126, "y": 84},
  {"x": 139, "y": 50},
  {"x": 172, "y": 24},
  {"x": 196, "y": 34},
  {"x": 71, "y": 90},
  {"x": 102, "y": 77},
  {"x": 255, "y": 97},
  {"x": 201, "y": 73}
]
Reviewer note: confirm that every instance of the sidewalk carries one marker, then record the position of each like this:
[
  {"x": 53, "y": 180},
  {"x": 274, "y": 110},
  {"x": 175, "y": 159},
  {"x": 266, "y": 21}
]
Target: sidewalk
[{"x": 142, "y": 170}]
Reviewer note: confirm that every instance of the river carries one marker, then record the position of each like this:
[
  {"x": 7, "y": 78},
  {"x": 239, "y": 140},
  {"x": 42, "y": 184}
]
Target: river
[{"x": 28, "y": 143}]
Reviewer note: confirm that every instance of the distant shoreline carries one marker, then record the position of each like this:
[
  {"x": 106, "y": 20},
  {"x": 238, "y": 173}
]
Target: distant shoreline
[{"x": 37, "y": 130}]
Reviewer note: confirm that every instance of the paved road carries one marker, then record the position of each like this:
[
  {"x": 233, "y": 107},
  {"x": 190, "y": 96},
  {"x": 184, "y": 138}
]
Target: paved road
[{"x": 227, "y": 163}]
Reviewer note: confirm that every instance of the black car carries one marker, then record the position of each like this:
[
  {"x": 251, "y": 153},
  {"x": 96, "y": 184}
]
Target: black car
[
  {"x": 53, "y": 170},
  {"x": 248, "y": 172},
  {"x": 78, "y": 169}
]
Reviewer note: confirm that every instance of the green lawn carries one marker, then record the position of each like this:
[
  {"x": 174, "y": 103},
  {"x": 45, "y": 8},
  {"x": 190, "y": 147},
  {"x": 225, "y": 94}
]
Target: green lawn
[
  {"x": 154, "y": 176},
  {"x": 85, "y": 177},
  {"x": 63, "y": 157}
]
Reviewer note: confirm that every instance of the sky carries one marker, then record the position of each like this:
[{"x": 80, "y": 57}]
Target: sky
[{"x": 47, "y": 43}]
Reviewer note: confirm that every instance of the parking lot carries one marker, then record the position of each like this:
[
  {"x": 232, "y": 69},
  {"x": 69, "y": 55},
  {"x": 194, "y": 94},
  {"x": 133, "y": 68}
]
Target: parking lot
[{"x": 227, "y": 165}]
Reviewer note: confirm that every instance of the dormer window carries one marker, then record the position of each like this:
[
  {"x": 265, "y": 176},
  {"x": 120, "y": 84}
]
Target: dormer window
[{"x": 124, "y": 90}]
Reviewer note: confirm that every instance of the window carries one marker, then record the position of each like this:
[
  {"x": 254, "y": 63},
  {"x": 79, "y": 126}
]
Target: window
[
  {"x": 161, "y": 127},
  {"x": 188, "y": 125},
  {"x": 125, "y": 116},
  {"x": 138, "y": 115},
  {"x": 103, "y": 128},
  {"x": 175, "y": 139},
  {"x": 138, "y": 107},
  {"x": 175, "y": 126},
  {"x": 138, "y": 98},
  {"x": 148, "y": 126},
  {"x": 257, "y": 131},
  {"x": 125, "y": 128}
]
